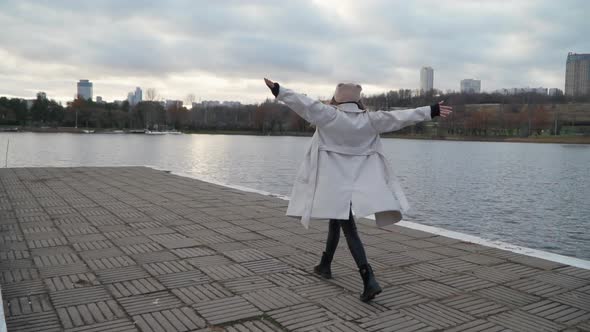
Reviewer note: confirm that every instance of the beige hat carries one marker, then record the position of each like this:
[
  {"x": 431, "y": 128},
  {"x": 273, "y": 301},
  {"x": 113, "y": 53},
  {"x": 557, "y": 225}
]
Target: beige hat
[{"x": 348, "y": 93}]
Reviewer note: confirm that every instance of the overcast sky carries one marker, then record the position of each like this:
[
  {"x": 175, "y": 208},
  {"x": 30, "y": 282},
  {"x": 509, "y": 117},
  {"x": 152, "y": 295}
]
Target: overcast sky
[{"x": 220, "y": 50}]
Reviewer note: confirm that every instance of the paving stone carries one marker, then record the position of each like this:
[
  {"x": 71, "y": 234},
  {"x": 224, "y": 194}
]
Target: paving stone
[
  {"x": 71, "y": 281},
  {"x": 576, "y": 299},
  {"x": 352, "y": 282},
  {"x": 226, "y": 310},
  {"x": 160, "y": 268},
  {"x": 395, "y": 297},
  {"x": 77, "y": 296},
  {"x": 110, "y": 262},
  {"x": 427, "y": 270},
  {"x": 291, "y": 278},
  {"x": 464, "y": 282},
  {"x": 135, "y": 287},
  {"x": 207, "y": 261},
  {"x": 273, "y": 298},
  {"x": 535, "y": 287},
  {"x": 179, "y": 319},
  {"x": 46, "y": 243},
  {"x": 151, "y": 257},
  {"x": 92, "y": 245},
  {"x": 254, "y": 325},
  {"x": 431, "y": 289},
  {"x": 41, "y": 321},
  {"x": 479, "y": 325},
  {"x": 349, "y": 307},
  {"x": 246, "y": 255},
  {"x": 560, "y": 313},
  {"x": 141, "y": 304},
  {"x": 475, "y": 306},
  {"x": 318, "y": 290},
  {"x": 397, "y": 276},
  {"x": 89, "y": 313},
  {"x": 101, "y": 253},
  {"x": 521, "y": 270},
  {"x": 225, "y": 272},
  {"x": 16, "y": 275},
  {"x": 437, "y": 315},
  {"x": 193, "y": 252},
  {"x": 341, "y": 327},
  {"x": 481, "y": 259},
  {"x": 121, "y": 274},
  {"x": 507, "y": 296},
  {"x": 396, "y": 260},
  {"x": 117, "y": 325},
  {"x": 201, "y": 293},
  {"x": 575, "y": 272},
  {"x": 522, "y": 321},
  {"x": 22, "y": 288},
  {"x": 24, "y": 305},
  {"x": 86, "y": 238},
  {"x": 302, "y": 317},
  {"x": 266, "y": 266},
  {"x": 456, "y": 264},
  {"x": 183, "y": 279},
  {"x": 393, "y": 320},
  {"x": 247, "y": 284},
  {"x": 132, "y": 240},
  {"x": 561, "y": 280},
  {"x": 495, "y": 275}
]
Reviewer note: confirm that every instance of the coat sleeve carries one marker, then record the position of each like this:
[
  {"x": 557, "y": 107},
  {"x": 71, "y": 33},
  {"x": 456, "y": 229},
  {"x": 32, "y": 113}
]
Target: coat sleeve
[
  {"x": 313, "y": 111},
  {"x": 386, "y": 121}
]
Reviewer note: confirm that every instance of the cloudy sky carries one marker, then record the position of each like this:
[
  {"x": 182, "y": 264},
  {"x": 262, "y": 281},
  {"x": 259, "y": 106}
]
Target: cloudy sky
[{"x": 220, "y": 50}]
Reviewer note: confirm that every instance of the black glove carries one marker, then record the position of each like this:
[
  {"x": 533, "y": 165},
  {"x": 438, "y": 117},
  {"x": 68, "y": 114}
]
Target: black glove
[
  {"x": 275, "y": 89},
  {"x": 434, "y": 110}
]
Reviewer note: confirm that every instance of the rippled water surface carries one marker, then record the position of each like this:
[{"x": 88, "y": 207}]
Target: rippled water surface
[{"x": 534, "y": 195}]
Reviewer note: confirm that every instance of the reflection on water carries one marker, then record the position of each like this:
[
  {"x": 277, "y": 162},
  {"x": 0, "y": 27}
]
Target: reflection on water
[{"x": 534, "y": 195}]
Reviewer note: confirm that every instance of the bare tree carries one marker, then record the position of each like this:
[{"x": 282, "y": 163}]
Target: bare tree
[
  {"x": 189, "y": 100},
  {"x": 151, "y": 94}
]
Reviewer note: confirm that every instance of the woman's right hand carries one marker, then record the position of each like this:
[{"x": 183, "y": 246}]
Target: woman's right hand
[{"x": 270, "y": 84}]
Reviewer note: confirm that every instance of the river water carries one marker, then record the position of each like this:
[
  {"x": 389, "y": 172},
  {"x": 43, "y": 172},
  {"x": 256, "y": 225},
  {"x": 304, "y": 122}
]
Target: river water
[{"x": 533, "y": 195}]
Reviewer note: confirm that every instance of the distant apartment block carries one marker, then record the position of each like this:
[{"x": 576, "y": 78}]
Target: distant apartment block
[
  {"x": 84, "y": 90},
  {"x": 173, "y": 104},
  {"x": 469, "y": 85},
  {"x": 426, "y": 79},
  {"x": 515, "y": 91},
  {"x": 577, "y": 74},
  {"x": 555, "y": 92}
]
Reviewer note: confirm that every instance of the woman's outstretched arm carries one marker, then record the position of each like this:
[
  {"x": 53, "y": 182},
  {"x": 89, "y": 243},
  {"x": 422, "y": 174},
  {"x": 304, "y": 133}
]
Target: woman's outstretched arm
[
  {"x": 387, "y": 121},
  {"x": 312, "y": 110}
]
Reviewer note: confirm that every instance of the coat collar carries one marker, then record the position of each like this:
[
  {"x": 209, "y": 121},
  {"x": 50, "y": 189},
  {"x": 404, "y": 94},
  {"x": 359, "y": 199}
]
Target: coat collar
[{"x": 349, "y": 107}]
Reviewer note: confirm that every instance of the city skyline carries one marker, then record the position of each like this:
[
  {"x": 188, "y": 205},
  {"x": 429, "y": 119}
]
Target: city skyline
[{"x": 221, "y": 50}]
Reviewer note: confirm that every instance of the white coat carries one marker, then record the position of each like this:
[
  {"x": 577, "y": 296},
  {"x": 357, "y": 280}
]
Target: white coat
[{"x": 344, "y": 163}]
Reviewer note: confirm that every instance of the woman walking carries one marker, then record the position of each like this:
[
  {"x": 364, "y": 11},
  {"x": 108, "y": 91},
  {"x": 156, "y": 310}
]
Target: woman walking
[{"x": 345, "y": 170}]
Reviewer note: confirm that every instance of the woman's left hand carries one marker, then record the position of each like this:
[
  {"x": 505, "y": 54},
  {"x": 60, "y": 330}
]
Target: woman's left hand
[{"x": 444, "y": 110}]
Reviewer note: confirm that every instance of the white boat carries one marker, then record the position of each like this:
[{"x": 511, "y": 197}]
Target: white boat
[
  {"x": 87, "y": 131},
  {"x": 150, "y": 132},
  {"x": 174, "y": 132}
]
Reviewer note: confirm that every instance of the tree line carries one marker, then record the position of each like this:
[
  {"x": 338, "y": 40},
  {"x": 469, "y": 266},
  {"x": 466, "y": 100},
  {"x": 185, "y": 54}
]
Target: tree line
[{"x": 475, "y": 114}]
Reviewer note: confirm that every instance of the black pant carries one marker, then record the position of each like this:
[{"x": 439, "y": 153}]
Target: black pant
[{"x": 352, "y": 238}]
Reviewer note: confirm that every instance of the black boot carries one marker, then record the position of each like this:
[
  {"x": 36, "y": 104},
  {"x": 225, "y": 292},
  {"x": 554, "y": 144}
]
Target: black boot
[
  {"x": 371, "y": 287},
  {"x": 324, "y": 268}
]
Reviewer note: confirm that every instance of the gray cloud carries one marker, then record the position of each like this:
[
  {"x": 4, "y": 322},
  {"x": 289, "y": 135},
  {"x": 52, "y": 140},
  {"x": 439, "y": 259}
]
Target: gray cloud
[{"x": 181, "y": 45}]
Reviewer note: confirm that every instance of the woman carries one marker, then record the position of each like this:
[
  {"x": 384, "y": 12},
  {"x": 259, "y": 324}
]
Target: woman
[{"x": 345, "y": 169}]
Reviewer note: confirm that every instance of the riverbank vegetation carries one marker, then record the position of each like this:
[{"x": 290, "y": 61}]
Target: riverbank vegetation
[{"x": 476, "y": 116}]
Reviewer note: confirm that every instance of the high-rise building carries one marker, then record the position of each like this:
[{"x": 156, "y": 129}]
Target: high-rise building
[
  {"x": 138, "y": 95},
  {"x": 84, "y": 90},
  {"x": 426, "y": 79},
  {"x": 577, "y": 74},
  {"x": 469, "y": 85}
]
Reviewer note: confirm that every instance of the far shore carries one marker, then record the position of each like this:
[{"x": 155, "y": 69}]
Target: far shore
[{"x": 563, "y": 139}]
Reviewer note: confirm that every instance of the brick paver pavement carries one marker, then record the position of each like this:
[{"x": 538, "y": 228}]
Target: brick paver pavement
[{"x": 132, "y": 248}]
